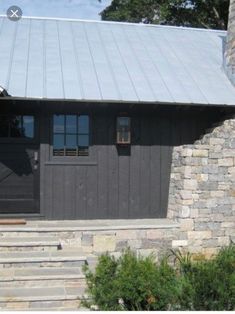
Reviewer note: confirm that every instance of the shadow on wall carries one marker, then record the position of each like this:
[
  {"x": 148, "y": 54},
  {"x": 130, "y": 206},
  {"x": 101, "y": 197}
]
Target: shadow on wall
[
  {"x": 18, "y": 161},
  {"x": 159, "y": 127}
]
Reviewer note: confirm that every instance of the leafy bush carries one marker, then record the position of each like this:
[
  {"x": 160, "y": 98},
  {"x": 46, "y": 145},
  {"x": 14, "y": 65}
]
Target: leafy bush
[
  {"x": 132, "y": 283},
  {"x": 211, "y": 284},
  {"x": 138, "y": 283}
]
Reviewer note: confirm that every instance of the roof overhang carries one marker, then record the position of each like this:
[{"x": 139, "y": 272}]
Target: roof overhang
[{"x": 105, "y": 102}]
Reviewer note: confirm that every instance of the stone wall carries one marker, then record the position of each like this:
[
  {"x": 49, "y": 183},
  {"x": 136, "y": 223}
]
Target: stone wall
[
  {"x": 202, "y": 191},
  {"x": 143, "y": 241}
]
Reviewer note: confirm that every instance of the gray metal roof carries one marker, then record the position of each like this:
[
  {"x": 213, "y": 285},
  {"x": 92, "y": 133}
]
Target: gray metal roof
[{"x": 102, "y": 61}]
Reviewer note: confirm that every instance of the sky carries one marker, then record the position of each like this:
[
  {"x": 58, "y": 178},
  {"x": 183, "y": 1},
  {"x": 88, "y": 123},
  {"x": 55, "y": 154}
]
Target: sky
[{"x": 78, "y": 9}]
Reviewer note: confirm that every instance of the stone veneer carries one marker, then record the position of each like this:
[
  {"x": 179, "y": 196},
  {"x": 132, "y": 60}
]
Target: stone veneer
[
  {"x": 143, "y": 240},
  {"x": 202, "y": 191}
]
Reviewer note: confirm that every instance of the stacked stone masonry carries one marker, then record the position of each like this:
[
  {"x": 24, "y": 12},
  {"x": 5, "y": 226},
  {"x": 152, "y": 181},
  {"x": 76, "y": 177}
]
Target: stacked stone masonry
[{"x": 202, "y": 191}]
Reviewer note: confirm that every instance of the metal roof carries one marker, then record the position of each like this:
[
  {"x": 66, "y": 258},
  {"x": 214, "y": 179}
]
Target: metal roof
[{"x": 106, "y": 61}]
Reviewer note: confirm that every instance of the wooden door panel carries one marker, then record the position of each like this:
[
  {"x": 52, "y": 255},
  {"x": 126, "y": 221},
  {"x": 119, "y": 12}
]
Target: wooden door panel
[{"x": 19, "y": 180}]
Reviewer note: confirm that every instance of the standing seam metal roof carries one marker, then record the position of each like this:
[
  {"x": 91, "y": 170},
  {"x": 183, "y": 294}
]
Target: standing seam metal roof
[{"x": 106, "y": 61}]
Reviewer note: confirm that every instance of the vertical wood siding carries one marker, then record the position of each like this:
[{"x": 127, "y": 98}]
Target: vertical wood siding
[
  {"x": 113, "y": 182},
  {"x": 119, "y": 182}
]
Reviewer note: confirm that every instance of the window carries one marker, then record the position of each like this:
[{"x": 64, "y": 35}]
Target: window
[
  {"x": 123, "y": 130},
  {"x": 16, "y": 126},
  {"x": 70, "y": 135}
]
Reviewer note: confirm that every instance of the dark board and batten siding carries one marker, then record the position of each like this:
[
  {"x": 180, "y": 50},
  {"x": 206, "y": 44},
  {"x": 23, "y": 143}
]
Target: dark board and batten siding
[
  {"x": 117, "y": 182},
  {"x": 113, "y": 182}
]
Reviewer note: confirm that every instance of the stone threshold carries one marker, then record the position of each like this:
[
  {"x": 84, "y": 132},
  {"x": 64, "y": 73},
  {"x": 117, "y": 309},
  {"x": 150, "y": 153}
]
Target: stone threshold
[{"x": 92, "y": 225}]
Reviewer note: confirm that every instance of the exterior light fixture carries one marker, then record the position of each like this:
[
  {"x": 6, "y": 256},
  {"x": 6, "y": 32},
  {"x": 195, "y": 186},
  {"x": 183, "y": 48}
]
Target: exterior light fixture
[{"x": 123, "y": 130}]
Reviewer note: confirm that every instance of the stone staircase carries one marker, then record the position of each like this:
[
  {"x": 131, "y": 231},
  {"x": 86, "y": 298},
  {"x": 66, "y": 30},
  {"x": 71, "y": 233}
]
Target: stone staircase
[
  {"x": 41, "y": 261},
  {"x": 37, "y": 273}
]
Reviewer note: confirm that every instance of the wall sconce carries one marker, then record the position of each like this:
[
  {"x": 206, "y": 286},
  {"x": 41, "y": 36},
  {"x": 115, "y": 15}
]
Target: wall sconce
[{"x": 123, "y": 130}]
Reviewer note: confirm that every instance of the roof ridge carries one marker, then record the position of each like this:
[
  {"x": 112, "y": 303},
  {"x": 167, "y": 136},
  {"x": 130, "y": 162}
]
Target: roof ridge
[{"x": 122, "y": 23}]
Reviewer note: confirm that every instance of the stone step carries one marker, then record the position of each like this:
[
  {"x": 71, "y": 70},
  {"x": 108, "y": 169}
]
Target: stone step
[
  {"x": 75, "y": 283},
  {"x": 43, "y": 226},
  {"x": 29, "y": 243},
  {"x": 48, "y": 309},
  {"x": 62, "y": 305},
  {"x": 42, "y": 277},
  {"x": 79, "y": 283},
  {"x": 44, "y": 273},
  {"x": 42, "y": 259},
  {"x": 40, "y": 294}
]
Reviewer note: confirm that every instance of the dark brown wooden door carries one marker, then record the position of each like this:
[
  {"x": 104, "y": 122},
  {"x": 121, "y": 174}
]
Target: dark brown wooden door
[{"x": 19, "y": 178}]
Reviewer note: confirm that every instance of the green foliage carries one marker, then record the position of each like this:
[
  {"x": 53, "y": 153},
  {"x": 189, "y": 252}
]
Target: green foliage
[
  {"x": 209, "y": 285},
  {"x": 214, "y": 282},
  {"x": 132, "y": 283},
  {"x": 182, "y": 261},
  {"x": 194, "y": 13},
  {"x": 144, "y": 285},
  {"x": 101, "y": 284},
  {"x": 138, "y": 283}
]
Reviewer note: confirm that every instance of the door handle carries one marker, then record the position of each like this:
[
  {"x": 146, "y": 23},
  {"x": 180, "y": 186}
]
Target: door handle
[{"x": 36, "y": 160}]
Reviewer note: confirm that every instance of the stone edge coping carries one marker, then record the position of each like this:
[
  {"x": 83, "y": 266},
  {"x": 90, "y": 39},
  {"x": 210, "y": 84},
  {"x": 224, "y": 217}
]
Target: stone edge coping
[{"x": 98, "y": 226}]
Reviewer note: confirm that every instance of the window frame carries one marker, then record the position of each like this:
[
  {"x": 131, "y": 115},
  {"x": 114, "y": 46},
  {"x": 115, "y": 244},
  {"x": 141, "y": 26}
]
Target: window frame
[
  {"x": 23, "y": 140},
  {"x": 65, "y": 157}
]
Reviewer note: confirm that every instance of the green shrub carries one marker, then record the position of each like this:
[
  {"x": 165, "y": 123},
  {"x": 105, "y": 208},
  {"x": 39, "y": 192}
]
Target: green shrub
[
  {"x": 143, "y": 285},
  {"x": 210, "y": 284},
  {"x": 138, "y": 283},
  {"x": 214, "y": 282},
  {"x": 132, "y": 283},
  {"x": 101, "y": 285}
]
